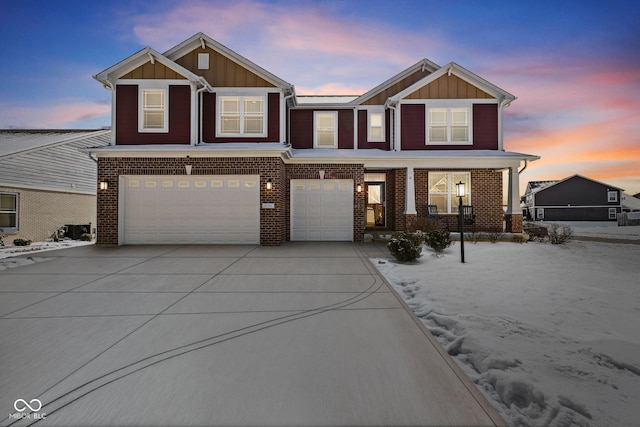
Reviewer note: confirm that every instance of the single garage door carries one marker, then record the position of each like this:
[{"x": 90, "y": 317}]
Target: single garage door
[
  {"x": 188, "y": 209},
  {"x": 322, "y": 209}
]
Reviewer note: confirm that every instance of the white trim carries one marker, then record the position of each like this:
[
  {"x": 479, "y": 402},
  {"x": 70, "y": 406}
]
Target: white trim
[
  {"x": 153, "y": 85},
  {"x": 334, "y": 114},
  {"x": 614, "y": 193},
  {"x": 378, "y": 111},
  {"x": 613, "y": 213},
  {"x": 19, "y": 187},
  {"x": 449, "y": 105},
  {"x": 579, "y": 206},
  {"x": 245, "y": 91},
  {"x": 410, "y": 193},
  {"x": 241, "y": 100},
  {"x": 152, "y": 82},
  {"x": 450, "y": 193},
  {"x": 452, "y": 101},
  {"x": 203, "y": 61}
]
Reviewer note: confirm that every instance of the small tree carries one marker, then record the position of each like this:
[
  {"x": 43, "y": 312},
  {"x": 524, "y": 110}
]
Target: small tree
[
  {"x": 438, "y": 240},
  {"x": 407, "y": 247}
]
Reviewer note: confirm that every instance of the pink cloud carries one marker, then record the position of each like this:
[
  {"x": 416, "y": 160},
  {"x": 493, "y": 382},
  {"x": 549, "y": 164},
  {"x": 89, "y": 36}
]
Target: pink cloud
[{"x": 53, "y": 116}]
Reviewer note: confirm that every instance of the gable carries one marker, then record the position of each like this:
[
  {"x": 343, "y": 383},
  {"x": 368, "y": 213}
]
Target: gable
[
  {"x": 222, "y": 72},
  {"x": 382, "y": 96},
  {"x": 153, "y": 71},
  {"x": 448, "y": 87}
]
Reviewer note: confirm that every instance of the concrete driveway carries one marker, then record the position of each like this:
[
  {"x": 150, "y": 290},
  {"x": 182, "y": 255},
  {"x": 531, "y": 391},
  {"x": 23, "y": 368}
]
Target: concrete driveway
[{"x": 301, "y": 334}]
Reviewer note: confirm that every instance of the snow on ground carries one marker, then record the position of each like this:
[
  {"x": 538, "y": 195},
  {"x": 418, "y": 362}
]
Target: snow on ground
[
  {"x": 600, "y": 229},
  {"x": 549, "y": 333},
  {"x": 9, "y": 254}
]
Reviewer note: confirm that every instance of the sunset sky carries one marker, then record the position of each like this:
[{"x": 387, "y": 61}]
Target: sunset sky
[{"x": 574, "y": 65}]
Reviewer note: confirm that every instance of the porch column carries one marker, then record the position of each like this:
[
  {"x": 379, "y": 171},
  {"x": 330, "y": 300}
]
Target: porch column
[
  {"x": 513, "y": 217},
  {"x": 410, "y": 212}
]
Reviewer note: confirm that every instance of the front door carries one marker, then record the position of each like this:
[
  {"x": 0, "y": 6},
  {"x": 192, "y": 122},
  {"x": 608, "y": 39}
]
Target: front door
[{"x": 375, "y": 215}]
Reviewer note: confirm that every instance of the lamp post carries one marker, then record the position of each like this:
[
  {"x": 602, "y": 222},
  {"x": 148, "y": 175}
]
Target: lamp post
[{"x": 460, "y": 193}]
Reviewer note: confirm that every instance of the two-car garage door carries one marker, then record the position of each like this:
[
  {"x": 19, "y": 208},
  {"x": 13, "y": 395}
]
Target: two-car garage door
[{"x": 187, "y": 209}]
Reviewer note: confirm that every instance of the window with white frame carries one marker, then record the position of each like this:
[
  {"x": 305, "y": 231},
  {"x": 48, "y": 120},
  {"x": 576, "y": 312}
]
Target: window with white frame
[
  {"x": 612, "y": 196},
  {"x": 449, "y": 125},
  {"x": 325, "y": 125},
  {"x": 241, "y": 115},
  {"x": 540, "y": 213},
  {"x": 613, "y": 213},
  {"x": 442, "y": 190},
  {"x": 8, "y": 212},
  {"x": 375, "y": 126},
  {"x": 153, "y": 110}
]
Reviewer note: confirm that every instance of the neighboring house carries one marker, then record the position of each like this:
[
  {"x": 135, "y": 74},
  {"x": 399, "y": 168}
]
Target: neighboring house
[
  {"x": 208, "y": 147},
  {"x": 630, "y": 203},
  {"x": 46, "y": 181},
  {"x": 575, "y": 198}
]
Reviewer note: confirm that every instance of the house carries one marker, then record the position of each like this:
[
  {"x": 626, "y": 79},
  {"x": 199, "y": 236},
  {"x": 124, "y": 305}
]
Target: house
[
  {"x": 46, "y": 181},
  {"x": 575, "y": 198},
  {"x": 208, "y": 147}
]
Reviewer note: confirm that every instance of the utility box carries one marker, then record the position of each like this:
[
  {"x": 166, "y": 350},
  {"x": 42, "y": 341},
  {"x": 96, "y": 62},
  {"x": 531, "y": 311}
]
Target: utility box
[{"x": 74, "y": 231}]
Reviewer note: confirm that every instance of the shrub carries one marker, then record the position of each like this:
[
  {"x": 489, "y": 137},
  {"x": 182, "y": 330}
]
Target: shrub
[
  {"x": 425, "y": 225},
  {"x": 86, "y": 237},
  {"x": 559, "y": 235},
  {"x": 406, "y": 247},
  {"x": 21, "y": 242},
  {"x": 438, "y": 240}
]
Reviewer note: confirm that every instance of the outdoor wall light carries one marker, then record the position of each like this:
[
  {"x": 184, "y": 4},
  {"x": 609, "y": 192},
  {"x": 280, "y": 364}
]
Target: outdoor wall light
[
  {"x": 188, "y": 169},
  {"x": 359, "y": 188},
  {"x": 321, "y": 173},
  {"x": 269, "y": 184},
  {"x": 460, "y": 194},
  {"x": 103, "y": 185}
]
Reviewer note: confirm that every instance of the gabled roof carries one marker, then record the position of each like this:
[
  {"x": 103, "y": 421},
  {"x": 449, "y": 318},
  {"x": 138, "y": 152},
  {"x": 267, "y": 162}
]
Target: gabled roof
[
  {"x": 464, "y": 74},
  {"x": 201, "y": 39},
  {"x": 20, "y": 141},
  {"x": 553, "y": 184},
  {"x": 108, "y": 76},
  {"x": 535, "y": 186},
  {"x": 424, "y": 65}
]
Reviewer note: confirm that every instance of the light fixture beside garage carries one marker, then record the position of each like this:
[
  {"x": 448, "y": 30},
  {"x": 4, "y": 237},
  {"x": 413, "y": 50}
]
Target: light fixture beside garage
[
  {"x": 359, "y": 188},
  {"x": 103, "y": 185},
  {"x": 269, "y": 184},
  {"x": 188, "y": 169}
]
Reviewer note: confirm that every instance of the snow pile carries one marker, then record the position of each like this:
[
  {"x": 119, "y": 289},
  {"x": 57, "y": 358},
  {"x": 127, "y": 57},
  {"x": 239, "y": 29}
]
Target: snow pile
[
  {"x": 549, "y": 333},
  {"x": 599, "y": 229},
  {"x": 13, "y": 251}
]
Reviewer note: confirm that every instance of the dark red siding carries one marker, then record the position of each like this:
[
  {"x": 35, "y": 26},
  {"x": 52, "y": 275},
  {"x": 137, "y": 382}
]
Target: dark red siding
[
  {"x": 209, "y": 120},
  {"x": 413, "y": 127},
  {"x": 485, "y": 126},
  {"x": 127, "y": 117},
  {"x": 301, "y": 128},
  {"x": 485, "y": 129},
  {"x": 345, "y": 129},
  {"x": 363, "y": 132}
]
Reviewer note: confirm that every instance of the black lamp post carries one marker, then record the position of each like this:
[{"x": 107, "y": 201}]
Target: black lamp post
[{"x": 460, "y": 193}]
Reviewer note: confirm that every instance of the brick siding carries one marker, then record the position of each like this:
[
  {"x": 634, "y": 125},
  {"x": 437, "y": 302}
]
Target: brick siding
[{"x": 42, "y": 212}]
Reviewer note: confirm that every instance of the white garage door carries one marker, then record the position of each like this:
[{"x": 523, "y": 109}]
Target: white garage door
[
  {"x": 322, "y": 209},
  {"x": 187, "y": 209}
]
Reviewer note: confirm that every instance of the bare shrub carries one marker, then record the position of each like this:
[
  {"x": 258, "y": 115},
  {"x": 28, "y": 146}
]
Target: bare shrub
[
  {"x": 536, "y": 232},
  {"x": 495, "y": 236},
  {"x": 425, "y": 225},
  {"x": 559, "y": 235}
]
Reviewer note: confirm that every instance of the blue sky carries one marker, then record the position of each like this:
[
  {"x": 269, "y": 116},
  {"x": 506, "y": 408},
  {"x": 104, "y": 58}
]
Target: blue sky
[{"x": 574, "y": 65}]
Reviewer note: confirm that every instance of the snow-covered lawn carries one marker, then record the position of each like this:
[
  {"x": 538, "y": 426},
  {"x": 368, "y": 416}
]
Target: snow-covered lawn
[
  {"x": 549, "y": 333},
  {"x": 9, "y": 254}
]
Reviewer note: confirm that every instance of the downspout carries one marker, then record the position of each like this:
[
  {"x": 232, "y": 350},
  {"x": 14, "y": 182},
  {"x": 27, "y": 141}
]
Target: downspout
[
  {"x": 392, "y": 131},
  {"x": 205, "y": 86},
  {"x": 526, "y": 163},
  {"x": 288, "y": 127}
]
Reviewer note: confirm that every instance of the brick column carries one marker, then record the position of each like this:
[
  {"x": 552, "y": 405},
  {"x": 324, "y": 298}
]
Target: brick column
[{"x": 513, "y": 223}]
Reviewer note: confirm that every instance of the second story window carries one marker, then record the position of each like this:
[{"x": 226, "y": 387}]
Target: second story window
[
  {"x": 325, "y": 129},
  {"x": 448, "y": 125},
  {"x": 241, "y": 115},
  {"x": 153, "y": 114},
  {"x": 612, "y": 196},
  {"x": 376, "y": 127}
]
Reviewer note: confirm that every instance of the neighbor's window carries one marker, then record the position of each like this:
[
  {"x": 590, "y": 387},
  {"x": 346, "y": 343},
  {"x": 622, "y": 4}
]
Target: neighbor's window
[
  {"x": 326, "y": 129},
  {"x": 153, "y": 117},
  {"x": 448, "y": 125},
  {"x": 242, "y": 115},
  {"x": 376, "y": 127},
  {"x": 8, "y": 212},
  {"x": 612, "y": 196},
  {"x": 442, "y": 190},
  {"x": 613, "y": 213}
]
